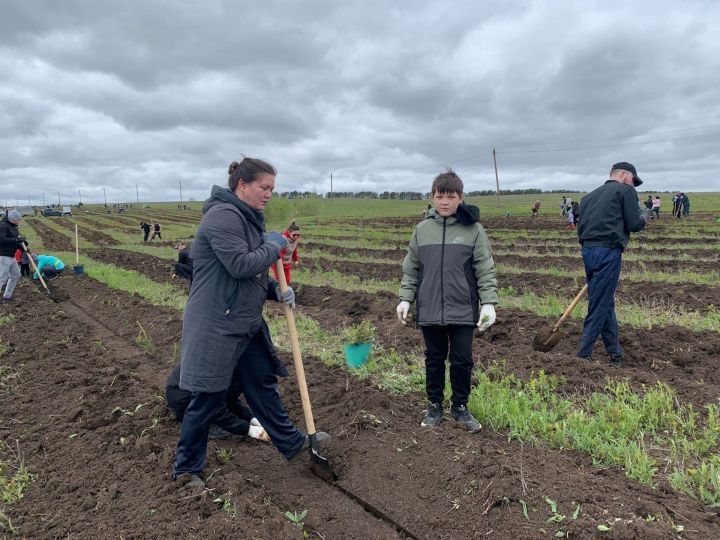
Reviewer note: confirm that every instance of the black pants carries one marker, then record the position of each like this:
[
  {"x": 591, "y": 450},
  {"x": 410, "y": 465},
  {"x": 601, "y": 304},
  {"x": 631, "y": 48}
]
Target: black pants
[
  {"x": 458, "y": 340},
  {"x": 50, "y": 272},
  {"x": 234, "y": 416},
  {"x": 184, "y": 271},
  {"x": 258, "y": 384},
  {"x": 145, "y": 236},
  {"x": 25, "y": 269}
]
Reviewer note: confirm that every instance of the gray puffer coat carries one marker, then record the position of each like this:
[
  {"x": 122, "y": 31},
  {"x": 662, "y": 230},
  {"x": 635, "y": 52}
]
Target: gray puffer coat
[{"x": 229, "y": 288}]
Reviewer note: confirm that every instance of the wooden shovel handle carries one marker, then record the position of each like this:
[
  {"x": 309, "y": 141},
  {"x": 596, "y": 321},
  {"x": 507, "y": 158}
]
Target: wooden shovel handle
[
  {"x": 34, "y": 266},
  {"x": 569, "y": 309},
  {"x": 297, "y": 357}
]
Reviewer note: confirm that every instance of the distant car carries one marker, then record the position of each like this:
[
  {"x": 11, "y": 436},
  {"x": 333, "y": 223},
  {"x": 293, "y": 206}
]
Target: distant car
[
  {"x": 51, "y": 212},
  {"x": 67, "y": 211}
]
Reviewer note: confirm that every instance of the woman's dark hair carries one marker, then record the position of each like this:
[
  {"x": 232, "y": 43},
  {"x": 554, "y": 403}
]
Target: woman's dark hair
[
  {"x": 293, "y": 226},
  {"x": 447, "y": 182},
  {"x": 247, "y": 171}
]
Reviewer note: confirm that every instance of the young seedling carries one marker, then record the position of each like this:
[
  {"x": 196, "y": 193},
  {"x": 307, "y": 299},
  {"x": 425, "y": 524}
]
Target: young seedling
[
  {"x": 144, "y": 341},
  {"x": 228, "y": 506},
  {"x": 298, "y": 518},
  {"x": 224, "y": 455}
]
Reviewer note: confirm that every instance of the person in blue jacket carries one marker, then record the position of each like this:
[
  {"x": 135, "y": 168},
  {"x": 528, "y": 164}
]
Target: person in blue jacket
[
  {"x": 224, "y": 333},
  {"x": 50, "y": 267}
]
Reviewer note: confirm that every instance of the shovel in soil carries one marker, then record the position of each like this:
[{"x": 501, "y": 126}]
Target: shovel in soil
[
  {"x": 319, "y": 465},
  {"x": 35, "y": 269},
  {"x": 547, "y": 337}
]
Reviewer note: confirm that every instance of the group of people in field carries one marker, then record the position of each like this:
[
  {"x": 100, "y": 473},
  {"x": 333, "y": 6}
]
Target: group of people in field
[
  {"x": 227, "y": 379},
  {"x": 16, "y": 260}
]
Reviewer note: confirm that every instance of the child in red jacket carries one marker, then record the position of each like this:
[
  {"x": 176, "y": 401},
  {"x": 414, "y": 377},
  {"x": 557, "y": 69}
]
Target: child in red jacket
[{"x": 289, "y": 254}]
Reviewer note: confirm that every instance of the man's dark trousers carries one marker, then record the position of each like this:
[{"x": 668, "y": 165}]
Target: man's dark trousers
[
  {"x": 192, "y": 447},
  {"x": 602, "y": 271},
  {"x": 459, "y": 339}
]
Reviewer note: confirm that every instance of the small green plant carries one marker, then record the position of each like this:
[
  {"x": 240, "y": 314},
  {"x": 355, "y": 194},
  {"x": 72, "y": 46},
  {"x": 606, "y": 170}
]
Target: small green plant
[
  {"x": 6, "y": 319},
  {"x": 7, "y": 375},
  {"x": 3, "y": 348},
  {"x": 144, "y": 341},
  {"x": 175, "y": 354},
  {"x": 363, "y": 332},
  {"x": 228, "y": 506},
  {"x": 224, "y": 455},
  {"x": 297, "y": 518}
]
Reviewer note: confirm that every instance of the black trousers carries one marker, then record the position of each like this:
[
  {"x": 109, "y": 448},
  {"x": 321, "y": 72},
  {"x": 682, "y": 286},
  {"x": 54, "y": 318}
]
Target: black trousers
[
  {"x": 457, "y": 340},
  {"x": 184, "y": 271},
  {"x": 25, "y": 269},
  {"x": 258, "y": 384}
]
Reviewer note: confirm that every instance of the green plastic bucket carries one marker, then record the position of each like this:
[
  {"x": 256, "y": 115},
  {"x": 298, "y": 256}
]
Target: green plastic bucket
[{"x": 357, "y": 354}]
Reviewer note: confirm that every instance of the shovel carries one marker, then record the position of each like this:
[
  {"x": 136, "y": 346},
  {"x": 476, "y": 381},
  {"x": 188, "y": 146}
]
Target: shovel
[
  {"x": 35, "y": 269},
  {"x": 547, "y": 337},
  {"x": 319, "y": 465}
]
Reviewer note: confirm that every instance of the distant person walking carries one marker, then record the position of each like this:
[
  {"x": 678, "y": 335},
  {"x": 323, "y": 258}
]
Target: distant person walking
[
  {"x": 575, "y": 206},
  {"x": 156, "y": 231},
  {"x": 656, "y": 207},
  {"x": 146, "y": 230},
  {"x": 10, "y": 242},
  {"x": 563, "y": 205},
  {"x": 676, "y": 208},
  {"x": 609, "y": 214},
  {"x": 535, "y": 209}
]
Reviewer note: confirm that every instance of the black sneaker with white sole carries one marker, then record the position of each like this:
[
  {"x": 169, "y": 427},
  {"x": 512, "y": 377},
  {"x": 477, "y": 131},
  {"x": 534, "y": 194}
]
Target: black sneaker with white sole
[
  {"x": 462, "y": 415},
  {"x": 433, "y": 415}
]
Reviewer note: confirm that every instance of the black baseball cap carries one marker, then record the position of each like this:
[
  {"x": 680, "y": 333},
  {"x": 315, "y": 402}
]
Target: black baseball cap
[{"x": 629, "y": 167}]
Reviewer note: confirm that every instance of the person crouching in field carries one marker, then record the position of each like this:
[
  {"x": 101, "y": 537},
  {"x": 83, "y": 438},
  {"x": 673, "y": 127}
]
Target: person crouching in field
[
  {"x": 289, "y": 254},
  {"x": 449, "y": 273},
  {"x": 183, "y": 268},
  {"x": 235, "y": 418},
  {"x": 50, "y": 267}
]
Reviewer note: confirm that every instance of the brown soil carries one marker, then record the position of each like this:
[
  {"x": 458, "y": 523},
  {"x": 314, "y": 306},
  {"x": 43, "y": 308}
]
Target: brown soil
[
  {"x": 87, "y": 230},
  {"x": 103, "y": 461}
]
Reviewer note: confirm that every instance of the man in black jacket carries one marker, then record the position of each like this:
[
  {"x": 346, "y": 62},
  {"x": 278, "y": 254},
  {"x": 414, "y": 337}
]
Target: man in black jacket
[
  {"x": 10, "y": 242},
  {"x": 609, "y": 214}
]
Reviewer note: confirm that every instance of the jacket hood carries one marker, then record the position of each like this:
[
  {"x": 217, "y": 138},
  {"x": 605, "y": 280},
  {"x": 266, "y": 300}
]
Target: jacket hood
[
  {"x": 219, "y": 195},
  {"x": 466, "y": 214}
]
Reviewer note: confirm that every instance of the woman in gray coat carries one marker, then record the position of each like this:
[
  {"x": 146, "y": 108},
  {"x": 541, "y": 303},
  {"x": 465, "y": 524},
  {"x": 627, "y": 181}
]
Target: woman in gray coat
[{"x": 223, "y": 327}]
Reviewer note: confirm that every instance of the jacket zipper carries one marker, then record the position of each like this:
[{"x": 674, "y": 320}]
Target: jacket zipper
[
  {"x": 234, "y": 296},
  {"x": 442, "y": 276}
]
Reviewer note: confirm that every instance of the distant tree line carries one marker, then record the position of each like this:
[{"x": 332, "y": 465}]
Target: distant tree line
[{"x": 407, "y": 195}]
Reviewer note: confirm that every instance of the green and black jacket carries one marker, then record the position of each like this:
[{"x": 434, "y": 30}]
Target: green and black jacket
[{"x": 449, "y": 269}]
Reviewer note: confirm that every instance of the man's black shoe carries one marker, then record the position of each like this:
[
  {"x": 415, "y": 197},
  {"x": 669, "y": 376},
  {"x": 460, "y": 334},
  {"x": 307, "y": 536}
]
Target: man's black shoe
[
  {"x": 433, "y": 415},
  {"x": 462, "y": 415},
  {"x": 616, "y": 360}
]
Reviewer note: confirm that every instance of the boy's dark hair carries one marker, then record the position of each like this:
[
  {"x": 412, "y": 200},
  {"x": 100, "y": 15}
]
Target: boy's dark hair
[
  {"x": 247, "y": 171},
  {"x": 293, "y": 226},
  {"x": 447, "y": 182}
]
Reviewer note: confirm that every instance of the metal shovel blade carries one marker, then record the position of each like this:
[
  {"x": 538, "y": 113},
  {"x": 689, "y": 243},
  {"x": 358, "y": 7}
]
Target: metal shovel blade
[
  {"x": 545, "y": 339},
  {"x": 319, "y": 465}
]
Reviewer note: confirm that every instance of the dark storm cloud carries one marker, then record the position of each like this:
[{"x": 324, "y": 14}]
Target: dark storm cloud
[{"x": 383, "y": 95}]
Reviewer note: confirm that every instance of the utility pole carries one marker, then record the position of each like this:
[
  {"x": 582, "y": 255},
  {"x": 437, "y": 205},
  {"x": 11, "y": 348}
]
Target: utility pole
[
  {"x": 497, "y": 182},
  {"x": 180, "y": 181},
  {"x": 29, "y": 203},
  {"x": 105, "y": 195},
  {"x": 80, "y": 196},
  {"x": 43, "y": 199},
  {"x": 331, "y": 186},
  {"x": 58, "y": 197},
  {"x": 137, "y": 194}
]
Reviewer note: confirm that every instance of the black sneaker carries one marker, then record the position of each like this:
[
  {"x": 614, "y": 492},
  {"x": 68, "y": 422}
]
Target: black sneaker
[
  {"x": 191, "y": 480},
  {"x": 433, "y": 415},
  {"x": 462, "y": 415},
  {"x": 5, "y": 299},
  {"x": 321, "y": 437},
  {"x": 616, "y": 360},
  {"x": 586, "y": 358}
]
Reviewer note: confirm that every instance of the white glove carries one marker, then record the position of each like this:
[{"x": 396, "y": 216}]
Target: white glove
[
  {"x": 254, "y": 422},
  {"x": 487, "y": 317},
  {"x": 402, "y": 310},
  {"x": 259, "y": 433}
]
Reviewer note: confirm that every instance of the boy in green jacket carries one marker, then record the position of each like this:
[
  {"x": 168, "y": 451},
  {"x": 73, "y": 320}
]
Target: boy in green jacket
[{"x": 449, "y": 273}]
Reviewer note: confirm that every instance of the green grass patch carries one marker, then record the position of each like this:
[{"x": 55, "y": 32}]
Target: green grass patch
[
  {"x": 6, "y": 319},
  {"x": 159, "y": 294},
  {"x": 15, "y": 479}
]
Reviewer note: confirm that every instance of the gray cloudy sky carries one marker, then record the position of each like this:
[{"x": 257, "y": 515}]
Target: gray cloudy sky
[{"x": 381, "y": 94}]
